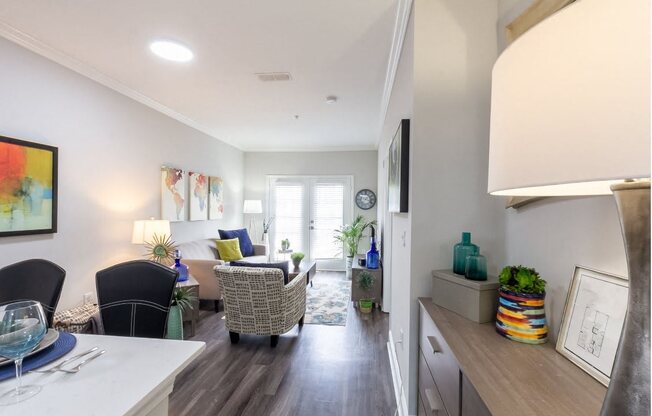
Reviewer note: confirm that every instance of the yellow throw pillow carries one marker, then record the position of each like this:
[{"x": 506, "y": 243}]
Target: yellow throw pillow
[{"x": 229, "y": 250}]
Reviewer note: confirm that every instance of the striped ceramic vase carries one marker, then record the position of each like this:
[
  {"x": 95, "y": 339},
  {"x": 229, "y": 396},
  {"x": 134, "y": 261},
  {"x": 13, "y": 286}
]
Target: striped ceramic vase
[{"x": 521, "y": 317}]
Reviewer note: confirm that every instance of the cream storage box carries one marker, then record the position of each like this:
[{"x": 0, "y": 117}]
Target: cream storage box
[{"x": 474, "y": 300}]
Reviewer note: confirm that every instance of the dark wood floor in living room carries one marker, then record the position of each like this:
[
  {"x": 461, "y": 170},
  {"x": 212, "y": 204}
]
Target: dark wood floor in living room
[{"x": 319, "y": 370}]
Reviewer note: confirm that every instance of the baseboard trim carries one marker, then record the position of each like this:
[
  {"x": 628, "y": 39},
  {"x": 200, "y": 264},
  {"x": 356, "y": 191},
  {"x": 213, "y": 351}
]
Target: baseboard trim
[{"x": 399, "y": 392}]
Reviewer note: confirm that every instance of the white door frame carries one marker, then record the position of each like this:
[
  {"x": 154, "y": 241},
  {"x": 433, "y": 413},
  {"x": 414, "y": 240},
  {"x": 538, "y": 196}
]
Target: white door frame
[{"x": 309, "y": 180}]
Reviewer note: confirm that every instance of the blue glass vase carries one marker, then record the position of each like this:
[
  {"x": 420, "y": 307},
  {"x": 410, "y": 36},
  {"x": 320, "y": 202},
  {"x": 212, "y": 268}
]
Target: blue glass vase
[
  {"x": 373, "y": 256},
  {"x": 476, "y": 267},
  {"x": 461, "y": 251},
  {"x": 180, "y": 267}
]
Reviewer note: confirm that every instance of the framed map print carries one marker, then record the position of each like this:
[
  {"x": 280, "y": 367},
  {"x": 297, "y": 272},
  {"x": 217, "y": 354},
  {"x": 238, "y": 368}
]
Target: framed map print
[{"x": 173, "y": 194}]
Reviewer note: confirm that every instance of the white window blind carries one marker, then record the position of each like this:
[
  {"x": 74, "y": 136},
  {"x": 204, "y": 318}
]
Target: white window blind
[
  {"x": 290, "y": 216},
  {"x": 327, "y": 216}
]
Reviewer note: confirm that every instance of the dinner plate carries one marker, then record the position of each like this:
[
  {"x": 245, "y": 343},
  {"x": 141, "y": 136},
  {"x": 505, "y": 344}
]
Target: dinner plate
[{"x": 50, "y": 338}]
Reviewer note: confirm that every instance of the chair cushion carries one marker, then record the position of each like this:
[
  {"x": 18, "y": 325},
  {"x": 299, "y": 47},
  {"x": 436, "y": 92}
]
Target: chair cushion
[
  {"x": 282, "y": 266},
  {"x": 229, "y": 249},
  {"x": 246, "y": 247}
]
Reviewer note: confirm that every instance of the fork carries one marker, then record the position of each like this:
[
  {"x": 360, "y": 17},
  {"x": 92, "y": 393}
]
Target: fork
[
  {"x": 67, "y": 360},
  {"x": 78, "y": 367}
]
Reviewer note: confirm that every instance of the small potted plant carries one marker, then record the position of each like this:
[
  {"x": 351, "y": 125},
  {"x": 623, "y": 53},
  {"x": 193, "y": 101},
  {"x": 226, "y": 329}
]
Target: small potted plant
[
  {"x": 296, "y": 258},
  {"x": 366, "y": 282},
  {"x": 285, "y": 244},
  {"x": 521, "y": 315},
  {"x": 181, "y": 301}
]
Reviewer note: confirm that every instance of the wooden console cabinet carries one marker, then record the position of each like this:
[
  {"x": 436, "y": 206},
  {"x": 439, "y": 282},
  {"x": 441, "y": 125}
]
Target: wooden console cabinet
[
  {"x": 467, "y": 369},
  {"x": 376, "y": 293}
]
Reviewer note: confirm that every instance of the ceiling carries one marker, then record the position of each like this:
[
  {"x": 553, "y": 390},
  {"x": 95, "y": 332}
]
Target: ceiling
[{"x": 331, "y": 47}]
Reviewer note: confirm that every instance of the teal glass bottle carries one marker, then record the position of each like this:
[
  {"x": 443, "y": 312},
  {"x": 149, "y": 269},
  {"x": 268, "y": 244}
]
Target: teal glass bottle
[
  {"x": 476, "y": 267},
  {"x": 461, "y": 251}
]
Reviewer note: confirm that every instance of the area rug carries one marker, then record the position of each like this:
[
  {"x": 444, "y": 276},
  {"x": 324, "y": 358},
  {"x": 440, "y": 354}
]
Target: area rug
[{"x": 327, "y": 301}]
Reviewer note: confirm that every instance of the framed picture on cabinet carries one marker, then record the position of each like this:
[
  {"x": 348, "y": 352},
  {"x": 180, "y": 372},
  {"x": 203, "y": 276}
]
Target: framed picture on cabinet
[{"x": 593, "y": 320}]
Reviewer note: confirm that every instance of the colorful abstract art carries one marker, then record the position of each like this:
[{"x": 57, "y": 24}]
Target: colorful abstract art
[
  {"x": 28, "y": 188},
  {"x": 198, "y": 196},
  {"x": 215, "y": 198},
  {"x": 173, "y": 191}
]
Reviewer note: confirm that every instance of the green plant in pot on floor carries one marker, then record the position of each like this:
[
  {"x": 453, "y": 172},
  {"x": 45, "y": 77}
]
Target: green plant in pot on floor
[
  {"x": 365, "y": 282},
  {"x": 350, "y": 236},
  {"x": 296, "y": 258},
  {"x": 182, "y": 301},
  {"x": 521, "y": 315}
]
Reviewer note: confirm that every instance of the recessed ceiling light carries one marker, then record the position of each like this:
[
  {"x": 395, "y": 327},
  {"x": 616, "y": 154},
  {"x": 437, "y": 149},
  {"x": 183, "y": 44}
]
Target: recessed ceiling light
[
  {"x": 172, "y": 51},
  {"x": 331, "y": 99}
]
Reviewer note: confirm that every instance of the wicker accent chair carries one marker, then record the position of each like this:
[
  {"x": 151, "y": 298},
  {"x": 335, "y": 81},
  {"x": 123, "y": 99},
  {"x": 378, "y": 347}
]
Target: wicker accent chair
[{"x": 256, "y": 301}]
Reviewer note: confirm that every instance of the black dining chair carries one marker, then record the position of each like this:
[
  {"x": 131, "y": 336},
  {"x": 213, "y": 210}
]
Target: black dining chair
[
  {"x": 134, "y": 298},
  {"x": 34, "y": 279}
]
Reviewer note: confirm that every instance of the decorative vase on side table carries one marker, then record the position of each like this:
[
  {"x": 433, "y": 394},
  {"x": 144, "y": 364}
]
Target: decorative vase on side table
[{"x": 461, "y": 251}]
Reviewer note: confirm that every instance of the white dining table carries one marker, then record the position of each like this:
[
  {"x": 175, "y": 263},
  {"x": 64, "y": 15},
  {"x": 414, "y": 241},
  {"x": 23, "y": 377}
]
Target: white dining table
[{"x": 134, "y": 377}]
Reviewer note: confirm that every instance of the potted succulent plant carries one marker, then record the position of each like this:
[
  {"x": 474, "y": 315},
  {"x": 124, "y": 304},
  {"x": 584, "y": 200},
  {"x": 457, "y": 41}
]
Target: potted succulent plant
[
  {"x": 350, "y": 236},
  {"x": 296, "y": 258},
  {"x": 521, "y": 315},
  {"x": 285, "y": 244},
  {"x": 182, "y": 300},
  {"x": 365, "y": 282}
]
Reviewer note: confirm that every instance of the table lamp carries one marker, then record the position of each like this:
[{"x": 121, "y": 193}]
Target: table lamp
[
  {"x": 570, "y": 115},
  {"x": 252, "y": 206},
  {"x": 156, "y": 236}
]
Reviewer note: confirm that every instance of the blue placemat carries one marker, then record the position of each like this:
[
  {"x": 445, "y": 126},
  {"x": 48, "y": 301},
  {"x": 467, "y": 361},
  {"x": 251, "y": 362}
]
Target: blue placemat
[{"x": 61, "y": 347}]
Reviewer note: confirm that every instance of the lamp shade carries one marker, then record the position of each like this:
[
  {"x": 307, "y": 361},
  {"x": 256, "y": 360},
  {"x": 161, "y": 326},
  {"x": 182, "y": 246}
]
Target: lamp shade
[
  {"x": 252, "y": 206},
  {"x": 570, "y": 103},
  {"x": 144, "y": 230}
]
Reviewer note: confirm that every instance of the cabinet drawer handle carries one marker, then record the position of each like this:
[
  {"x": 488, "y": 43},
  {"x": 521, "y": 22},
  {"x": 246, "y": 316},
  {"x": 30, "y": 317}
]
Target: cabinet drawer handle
[
  {"x": 434, "y": 402},
  {"x": 434, "y": 344}
]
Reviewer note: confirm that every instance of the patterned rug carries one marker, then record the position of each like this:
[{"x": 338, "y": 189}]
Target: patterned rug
[{"x": 327, "y": 301}]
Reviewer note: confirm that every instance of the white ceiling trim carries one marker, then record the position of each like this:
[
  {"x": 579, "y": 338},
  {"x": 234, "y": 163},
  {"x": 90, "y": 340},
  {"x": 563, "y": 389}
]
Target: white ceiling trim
[
  {"x": 23, "y": 39},
  {"x": 403, "y": 11},
  {"x": 318, "y": 149}
]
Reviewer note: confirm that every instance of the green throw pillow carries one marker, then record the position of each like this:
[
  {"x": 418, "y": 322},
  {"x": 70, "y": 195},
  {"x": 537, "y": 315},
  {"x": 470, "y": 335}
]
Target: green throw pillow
[{"x": 229, "y": 250}]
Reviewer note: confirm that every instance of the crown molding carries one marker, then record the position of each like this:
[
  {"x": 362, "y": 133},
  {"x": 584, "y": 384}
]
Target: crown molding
[
  {"x": 403, "y": 10},
  {"x": 41, "y": 48},
  {"x": 316, "y": 149}
]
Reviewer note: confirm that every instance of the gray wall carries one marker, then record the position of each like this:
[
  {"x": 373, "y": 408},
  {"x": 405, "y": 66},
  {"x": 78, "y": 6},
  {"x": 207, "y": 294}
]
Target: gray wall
[
  {"x": 110, "y": 152},
  {"x": 362, "y": 165}
]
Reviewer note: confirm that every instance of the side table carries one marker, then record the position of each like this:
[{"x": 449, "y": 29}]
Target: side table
[
  {"x": 376, "y": 293},
  {"x": 191, "y": 315}
]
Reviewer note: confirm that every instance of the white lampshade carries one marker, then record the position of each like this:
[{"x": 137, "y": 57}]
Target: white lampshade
[
  {"x": 252, "y": 206},
  {"x": 570, "y": 104},
  {"x": 144, "y": 230}
]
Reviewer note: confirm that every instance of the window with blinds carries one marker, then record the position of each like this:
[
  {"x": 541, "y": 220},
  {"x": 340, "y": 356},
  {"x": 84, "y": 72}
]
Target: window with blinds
[
  {"x": 290, "y": 216},
  {"x": 327, "y": 215}
]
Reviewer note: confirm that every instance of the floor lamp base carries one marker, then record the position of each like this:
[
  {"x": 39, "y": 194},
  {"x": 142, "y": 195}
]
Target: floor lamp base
[{"x": 629, "y": 388}]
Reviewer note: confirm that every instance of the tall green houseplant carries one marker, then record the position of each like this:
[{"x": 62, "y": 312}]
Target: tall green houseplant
[{"x": 350, "y": 236}]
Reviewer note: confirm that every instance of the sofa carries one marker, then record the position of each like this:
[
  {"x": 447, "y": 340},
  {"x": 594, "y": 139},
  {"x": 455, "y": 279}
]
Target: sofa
[{"x": 201, "y": 257}]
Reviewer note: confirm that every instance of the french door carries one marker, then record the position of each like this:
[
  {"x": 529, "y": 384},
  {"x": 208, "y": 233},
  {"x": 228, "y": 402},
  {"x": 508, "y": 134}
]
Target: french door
[{"x": 306, "y": 211}]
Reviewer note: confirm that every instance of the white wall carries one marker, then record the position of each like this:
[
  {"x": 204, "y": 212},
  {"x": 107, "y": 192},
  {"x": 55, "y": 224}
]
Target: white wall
[
  {"x": 110, "y": 152},
  {"x": 396, "y": 228},
  {"x": 362, "y": 165}
]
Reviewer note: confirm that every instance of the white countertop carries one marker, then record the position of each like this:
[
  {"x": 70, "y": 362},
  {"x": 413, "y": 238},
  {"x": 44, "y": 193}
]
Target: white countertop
[{"x": 132, "y": 374}]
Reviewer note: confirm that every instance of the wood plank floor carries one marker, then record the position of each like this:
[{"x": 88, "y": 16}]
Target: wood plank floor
[{"x": 320, "y": 370}]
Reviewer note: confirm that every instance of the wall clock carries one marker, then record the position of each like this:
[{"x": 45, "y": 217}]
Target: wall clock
[{"x": 365, "y": 199}]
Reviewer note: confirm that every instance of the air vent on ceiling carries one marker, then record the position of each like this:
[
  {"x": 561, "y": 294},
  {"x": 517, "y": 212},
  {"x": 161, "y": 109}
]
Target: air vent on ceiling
[{"x": 274, "y": 76}]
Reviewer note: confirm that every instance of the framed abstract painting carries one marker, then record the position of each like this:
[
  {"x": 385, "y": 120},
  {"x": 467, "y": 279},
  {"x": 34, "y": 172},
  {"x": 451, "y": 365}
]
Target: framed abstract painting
[
  {"x": 173, "y": 194},
  {"x": 399, "y": 169},
  {"x": 216, "y": 198},
  {"x": 28, "y": 187},
  {"x": 198, "y": 196}
]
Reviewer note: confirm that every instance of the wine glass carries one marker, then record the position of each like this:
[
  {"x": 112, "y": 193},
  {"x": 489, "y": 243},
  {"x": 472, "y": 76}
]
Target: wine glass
[{"x": 22, "y": 327}]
